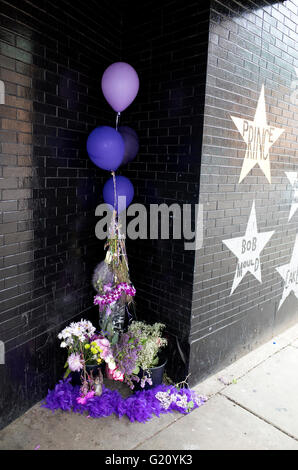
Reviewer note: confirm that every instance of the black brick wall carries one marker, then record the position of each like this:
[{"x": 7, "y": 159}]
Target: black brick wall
[
  {"x": 248, "y": 47},
  {"x": 167, "y": 44},
  {"x": 52, "y": 56}
]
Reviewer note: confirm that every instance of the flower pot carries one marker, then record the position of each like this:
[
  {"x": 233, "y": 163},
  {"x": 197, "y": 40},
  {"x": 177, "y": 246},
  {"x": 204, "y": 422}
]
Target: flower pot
[
  {"x": 94, "y": 368},
  {"x": 75, "y": 378},
  {"x": 156, "y": 375}
]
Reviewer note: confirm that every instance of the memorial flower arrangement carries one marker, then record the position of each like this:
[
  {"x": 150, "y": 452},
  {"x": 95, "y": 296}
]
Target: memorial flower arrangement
[
  {"x": 136, "y": 353},
  {"x": 150, "y": 336},
  {"x": 77, "y": 338},
  {"x": 111, "y": 280},
  {"x": 85, "y": 348},
  {"x": 129, "y": 353},
  {"x": 119, "y": 350},
  {"x": 129, "y": 360}
]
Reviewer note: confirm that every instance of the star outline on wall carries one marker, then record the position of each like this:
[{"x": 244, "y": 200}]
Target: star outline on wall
[
  {"x": 293, "y": 179},
  {"x": 259, "y": 138},
  {"x": 289, "y": 273},
  {"x": 236, "y": 245}
]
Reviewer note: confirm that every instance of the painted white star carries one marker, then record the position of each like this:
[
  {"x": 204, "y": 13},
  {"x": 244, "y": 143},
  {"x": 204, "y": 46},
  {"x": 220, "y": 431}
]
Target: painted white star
[
  {"x": 248, "y": 249},
  {"x": 293, "y": 178},
  {"x": 259, "y": 137},
  {"x": 289, "y": 273}
]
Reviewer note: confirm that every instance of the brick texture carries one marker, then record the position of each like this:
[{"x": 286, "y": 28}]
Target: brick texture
[
  {"x": 52, "y": 56},
  {"x": 167, "y": 43},
  {"x": 248, "y": 47}
]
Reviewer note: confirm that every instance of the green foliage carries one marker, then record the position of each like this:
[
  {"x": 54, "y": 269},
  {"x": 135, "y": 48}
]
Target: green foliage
[
  {"x": 150, "y": 337},
  {"x": 67, "y": 372},
  {"x": 107, "y": 327}
]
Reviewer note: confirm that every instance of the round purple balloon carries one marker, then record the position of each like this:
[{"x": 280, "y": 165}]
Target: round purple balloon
[
  {"x": 124, "y": 187},
  {"x": 105, "y": 147},
  {"x": 131, "y": 143},
  {"x": 120, "y": 85}
]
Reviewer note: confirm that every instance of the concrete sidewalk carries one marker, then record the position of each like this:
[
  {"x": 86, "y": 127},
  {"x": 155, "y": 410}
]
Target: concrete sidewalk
[{"x": 253, "y": 404}]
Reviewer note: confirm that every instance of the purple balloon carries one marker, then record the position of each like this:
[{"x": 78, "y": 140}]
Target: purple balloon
[
  {"x": 124, "y": 187},
  {"x": 131, "y": 143},
  {"x": 120, "y": 85},
  {"x": 105, "y": 147}
]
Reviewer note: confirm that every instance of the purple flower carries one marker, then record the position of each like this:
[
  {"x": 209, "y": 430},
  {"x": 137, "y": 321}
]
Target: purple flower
[
  {"x": 107, "y": 287},
  {"x": 112, "y": 295}
]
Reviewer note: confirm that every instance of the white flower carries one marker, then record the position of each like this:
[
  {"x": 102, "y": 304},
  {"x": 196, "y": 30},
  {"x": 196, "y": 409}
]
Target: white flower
[
  {"x": 181, "y": 401},
  {"x": 79, "y": 330},
  {"x": 63, "y": 345},
  {"x": 112, "y": 364},
  {"x": 75, "y": 362},
  {"x": 164, "y": 398}
]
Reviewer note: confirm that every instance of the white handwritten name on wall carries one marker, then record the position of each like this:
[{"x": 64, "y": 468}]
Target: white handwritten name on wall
[
  {"x": 248, "y": 249},
  {"x": 293, "y": 179},
  {"x": 289, "y": 273},
  {"x": 259, "y": 137}
]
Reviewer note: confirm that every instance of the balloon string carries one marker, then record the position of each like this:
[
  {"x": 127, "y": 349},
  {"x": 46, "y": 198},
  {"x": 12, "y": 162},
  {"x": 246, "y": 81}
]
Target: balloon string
[
  {"x": 115, "y": 192},
  {"x": 121, "y": 241},
  {"x": 117, "y": 120}
]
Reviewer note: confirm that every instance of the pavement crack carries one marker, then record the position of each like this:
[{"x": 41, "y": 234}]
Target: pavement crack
[
  {"x": 240, "y": 376},
  {"x": 157, "y": 432},
  {"x": 259, "y": 416}
]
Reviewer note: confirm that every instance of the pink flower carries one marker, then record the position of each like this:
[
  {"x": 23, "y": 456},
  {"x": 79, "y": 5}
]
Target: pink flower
[
  {"x": 103, "y": 342},
  {"x": 75, "y": 362},
  {"x": 118, "y": 375},
  {"x": 112, "y": 295},
  {"x": 83, "y": 400},
  {"x": 114, "y": 374},
  {"x": 107, "y": 287},
  {"x": 105, "y": 353}
]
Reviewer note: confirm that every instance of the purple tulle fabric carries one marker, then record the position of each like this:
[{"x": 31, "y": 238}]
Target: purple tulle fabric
[{"x": 141, "y": 406}]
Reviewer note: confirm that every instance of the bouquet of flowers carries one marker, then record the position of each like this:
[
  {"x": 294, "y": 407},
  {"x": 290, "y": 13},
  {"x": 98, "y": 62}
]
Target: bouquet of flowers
[
  {"x": 136, "y": 353},
  {"x": 75, "y": 337},
  {"x": 150, "y": 337},
  {"x": 126, "y": 353},
  {"x": 85, "y": 348},
  {"x": 112, "y": 283}
]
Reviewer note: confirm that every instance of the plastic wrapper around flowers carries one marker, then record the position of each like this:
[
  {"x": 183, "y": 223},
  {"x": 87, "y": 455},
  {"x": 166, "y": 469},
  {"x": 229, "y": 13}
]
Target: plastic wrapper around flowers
[
  {"x": 118, "y": 317},
  {"x": 112, "y": 319},
  {"x": 102, "y": 275},
  {"x": 102, "y": 281},
  {"x": 112, "y": 307}
]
